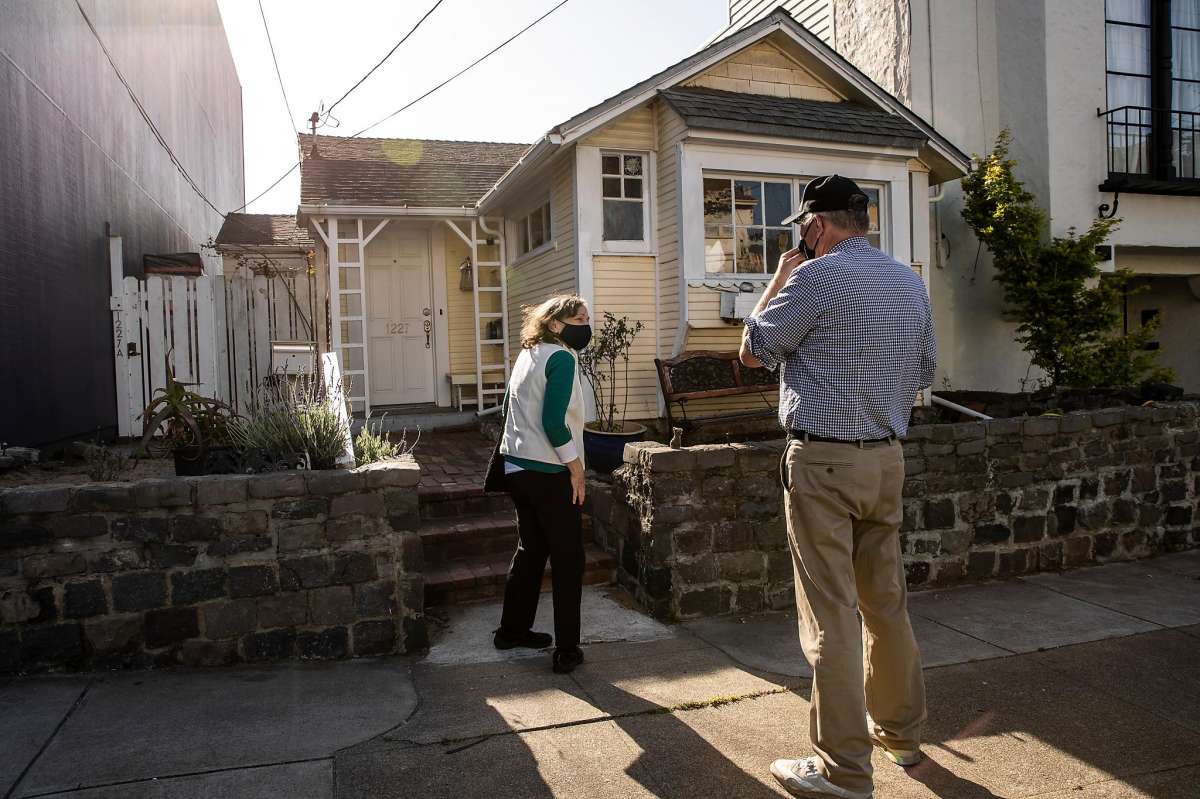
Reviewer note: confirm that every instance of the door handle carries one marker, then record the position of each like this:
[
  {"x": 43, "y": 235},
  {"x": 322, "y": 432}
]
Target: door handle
[
  {"x": 427, "y": 312},
  {"x": 428, "y": 327}
]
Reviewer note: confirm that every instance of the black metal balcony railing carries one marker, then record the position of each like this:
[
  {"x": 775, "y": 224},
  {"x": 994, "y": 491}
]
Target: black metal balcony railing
[{"x": 1134, "y": 146}]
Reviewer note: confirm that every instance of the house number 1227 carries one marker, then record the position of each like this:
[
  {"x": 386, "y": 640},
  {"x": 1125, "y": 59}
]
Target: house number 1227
[{"x": 397, "y": 328}]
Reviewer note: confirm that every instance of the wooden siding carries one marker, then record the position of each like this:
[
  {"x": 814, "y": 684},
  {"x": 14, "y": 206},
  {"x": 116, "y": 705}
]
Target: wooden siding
[
  {"x": 671, "y": 129},
  {"x": 553, "y": 271},
  {"x": 816, "y": 15},
  {"x": 763, "y": 68},
  {"x": 460, "y": 309},
  {"x": 632, "y": 130},
  {"x": 624, "y": 285}
]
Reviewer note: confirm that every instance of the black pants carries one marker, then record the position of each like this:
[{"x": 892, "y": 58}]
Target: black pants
[{"x": 548, "y": 525}]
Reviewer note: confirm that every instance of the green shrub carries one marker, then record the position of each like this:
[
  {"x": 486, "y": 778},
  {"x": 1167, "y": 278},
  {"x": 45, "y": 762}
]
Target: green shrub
[
  {"x": 1068, "y": 314},
  {"x": 292, "y": 416},
  {"x": 373, "y": 445}
]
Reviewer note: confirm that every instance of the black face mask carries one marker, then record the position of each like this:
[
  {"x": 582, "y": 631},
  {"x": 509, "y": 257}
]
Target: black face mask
[
  {"x": 577, "y": 337},
  {"x": 809, "y": 252}
]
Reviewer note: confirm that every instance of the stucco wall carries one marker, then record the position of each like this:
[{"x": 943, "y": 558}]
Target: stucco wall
[{"x": 75, "y": 156}]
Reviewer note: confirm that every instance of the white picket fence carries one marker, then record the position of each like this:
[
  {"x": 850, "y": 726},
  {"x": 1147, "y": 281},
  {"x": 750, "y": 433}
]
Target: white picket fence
[{"x": 214, "y": 333}]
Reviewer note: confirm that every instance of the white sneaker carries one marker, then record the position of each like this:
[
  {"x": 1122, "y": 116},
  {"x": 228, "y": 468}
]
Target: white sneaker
[
  {"x": 801, "y": 778},
  {"x": 901, "y": 757}
]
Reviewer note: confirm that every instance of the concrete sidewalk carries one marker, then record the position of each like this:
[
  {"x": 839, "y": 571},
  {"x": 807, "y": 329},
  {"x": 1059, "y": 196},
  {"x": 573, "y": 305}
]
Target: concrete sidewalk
[{"x": 1081, "y": 685}]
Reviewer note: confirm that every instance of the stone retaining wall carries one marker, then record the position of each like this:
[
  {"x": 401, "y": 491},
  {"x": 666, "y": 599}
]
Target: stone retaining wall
[
  {"x": 211, "y": 570},
  {"x": 699, "y": 531}
]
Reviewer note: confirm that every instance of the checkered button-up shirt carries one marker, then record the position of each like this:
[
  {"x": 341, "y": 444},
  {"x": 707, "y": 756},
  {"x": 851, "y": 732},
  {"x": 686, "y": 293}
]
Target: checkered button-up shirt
[{"x": 853, "y": 333}]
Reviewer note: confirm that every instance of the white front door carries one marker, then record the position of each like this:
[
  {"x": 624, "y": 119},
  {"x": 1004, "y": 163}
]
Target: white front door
[{"x": 399, "y": 316}]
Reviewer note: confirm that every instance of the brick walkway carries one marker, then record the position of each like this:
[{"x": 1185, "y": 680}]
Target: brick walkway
[{"x": 453, "y": 461}]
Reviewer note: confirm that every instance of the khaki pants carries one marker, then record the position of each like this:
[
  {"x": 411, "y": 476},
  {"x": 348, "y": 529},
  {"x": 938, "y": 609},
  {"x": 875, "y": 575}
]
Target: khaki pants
[{"x": 844, "y": 509}]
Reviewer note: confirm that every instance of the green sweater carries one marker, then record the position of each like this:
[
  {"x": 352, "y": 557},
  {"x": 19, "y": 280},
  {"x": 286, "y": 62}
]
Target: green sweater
[{"x": 560, "y": 379}]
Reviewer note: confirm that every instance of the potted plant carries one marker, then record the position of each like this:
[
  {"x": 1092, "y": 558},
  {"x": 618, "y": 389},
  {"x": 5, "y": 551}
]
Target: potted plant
[
  {"x": 192, "y": 427},
  {"x": 604, "y": 439}
]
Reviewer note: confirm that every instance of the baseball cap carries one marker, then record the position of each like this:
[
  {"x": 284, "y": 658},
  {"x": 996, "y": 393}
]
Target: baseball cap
[{"x": 828, "y": 193}]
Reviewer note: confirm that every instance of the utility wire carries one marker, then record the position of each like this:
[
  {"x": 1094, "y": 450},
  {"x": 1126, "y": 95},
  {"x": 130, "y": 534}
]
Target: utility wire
[
  {"x": 475, "y": 63},
  {"x": 470, "y": 66},
  {"x": 413, "y": 30},
  {"x": 287, "y": 104},
  {"x": 146, "y": 116}
]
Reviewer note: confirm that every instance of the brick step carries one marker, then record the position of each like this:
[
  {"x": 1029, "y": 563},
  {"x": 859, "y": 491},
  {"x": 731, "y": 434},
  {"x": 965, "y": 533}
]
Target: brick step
[
  {"x": 482, "y": 576},
  {"x": 442, "y": 503},
  {"x": 456, "y": 537}
]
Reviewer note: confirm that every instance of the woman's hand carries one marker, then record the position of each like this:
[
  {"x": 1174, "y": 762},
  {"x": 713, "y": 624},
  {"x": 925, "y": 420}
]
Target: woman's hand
[{"x": 575, "y": 468}]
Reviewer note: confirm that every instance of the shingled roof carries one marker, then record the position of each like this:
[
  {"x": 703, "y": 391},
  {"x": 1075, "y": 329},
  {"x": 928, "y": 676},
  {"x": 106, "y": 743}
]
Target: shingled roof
[
  {"x": 414, "y": 172},
  {"x": 713, "y": 109},
  {"x": 263, "y": 230}
]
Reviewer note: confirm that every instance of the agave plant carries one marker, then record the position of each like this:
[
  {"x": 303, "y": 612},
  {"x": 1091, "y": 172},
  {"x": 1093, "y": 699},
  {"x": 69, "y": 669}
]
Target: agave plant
[{"x": 178, "y": 418}]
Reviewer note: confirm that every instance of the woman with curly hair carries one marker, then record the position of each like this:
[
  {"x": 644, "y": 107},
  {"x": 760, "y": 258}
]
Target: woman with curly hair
[{"x": 542, "y": 447}]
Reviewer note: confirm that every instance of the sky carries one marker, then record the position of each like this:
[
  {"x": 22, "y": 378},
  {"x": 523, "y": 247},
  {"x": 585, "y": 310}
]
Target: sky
[{"x": 586, "y": 51}]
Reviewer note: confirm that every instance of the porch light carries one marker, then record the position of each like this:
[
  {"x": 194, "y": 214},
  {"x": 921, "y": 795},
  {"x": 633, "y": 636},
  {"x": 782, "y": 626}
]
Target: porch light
[{"x": 464, "y": 275}]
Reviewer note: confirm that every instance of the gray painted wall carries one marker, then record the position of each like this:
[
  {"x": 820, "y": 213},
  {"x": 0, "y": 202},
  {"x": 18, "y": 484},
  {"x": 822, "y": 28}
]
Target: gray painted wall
[{"x": 75, "y": 156}]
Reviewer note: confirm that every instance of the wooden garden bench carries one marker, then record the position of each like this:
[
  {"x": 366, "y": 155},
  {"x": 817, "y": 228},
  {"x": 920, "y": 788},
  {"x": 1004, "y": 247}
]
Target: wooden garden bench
[{"x": 707, "y": 374}]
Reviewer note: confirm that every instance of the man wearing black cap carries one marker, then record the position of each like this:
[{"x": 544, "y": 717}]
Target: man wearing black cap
[{"x": 851, "y": 331}]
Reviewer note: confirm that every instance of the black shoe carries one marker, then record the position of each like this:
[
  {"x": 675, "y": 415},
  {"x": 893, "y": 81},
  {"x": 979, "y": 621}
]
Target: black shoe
[
  {"x": 565, "y": 660},
  {"x": 528, "y": 639}
]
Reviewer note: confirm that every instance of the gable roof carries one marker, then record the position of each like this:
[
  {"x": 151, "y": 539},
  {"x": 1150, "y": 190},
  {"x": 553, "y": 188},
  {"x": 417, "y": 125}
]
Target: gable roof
[
  {"x": 341, "y": 170},
  {"x": 263, "y": 230},
  {"x": 713, "y": 109},
  {"x": 945, "y": 159}
]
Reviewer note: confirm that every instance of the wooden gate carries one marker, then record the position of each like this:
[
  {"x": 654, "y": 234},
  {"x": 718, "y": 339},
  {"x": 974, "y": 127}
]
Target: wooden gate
[{"x": 217, "y": 334}]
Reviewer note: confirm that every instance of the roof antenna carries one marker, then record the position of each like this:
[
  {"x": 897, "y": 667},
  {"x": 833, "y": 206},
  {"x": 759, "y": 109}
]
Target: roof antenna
[{"x": 312, "y": 121}]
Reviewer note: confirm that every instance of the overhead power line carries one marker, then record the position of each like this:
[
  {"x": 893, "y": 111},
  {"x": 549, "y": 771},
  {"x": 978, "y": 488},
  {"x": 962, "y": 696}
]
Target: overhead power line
[
  {"x": 146, "y": 116},
  {"x": 465, "y": 69},
  {"x": 405, "y": 107},
  {"x": 286, "y": 103},
  {"x": 413, "y": 30}
]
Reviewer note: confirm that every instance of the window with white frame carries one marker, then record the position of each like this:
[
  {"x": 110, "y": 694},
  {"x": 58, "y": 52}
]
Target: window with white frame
[
  {"x": 623, "y": 178},
  {"x": 533, "y": 230},
  {"x": 743, "y": 233}
]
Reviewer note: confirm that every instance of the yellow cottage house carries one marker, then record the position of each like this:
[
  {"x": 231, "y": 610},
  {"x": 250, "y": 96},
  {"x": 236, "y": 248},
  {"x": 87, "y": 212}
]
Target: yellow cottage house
[{"x": 655, "y": 204}]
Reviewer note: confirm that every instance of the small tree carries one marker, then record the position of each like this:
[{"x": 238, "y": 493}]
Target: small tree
[
  {"x": 1068, "y": 315},
  {"x": 612, "y": 342}
]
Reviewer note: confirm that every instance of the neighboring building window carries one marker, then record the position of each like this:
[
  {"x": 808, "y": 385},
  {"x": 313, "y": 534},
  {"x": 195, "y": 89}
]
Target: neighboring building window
[
  {"x": 1152, "y": 54},
  {"x": 1149, "y": 316},
  {"x": 742, "y": 216},
  {"x": 533, "y": 230},
  {"x": 1185, "y": 86},
  {"x": 624, "y": 190}
]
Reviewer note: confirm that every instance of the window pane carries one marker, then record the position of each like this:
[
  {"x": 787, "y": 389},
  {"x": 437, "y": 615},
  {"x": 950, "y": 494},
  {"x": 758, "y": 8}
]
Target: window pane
[
  {"x": 633, "y": 165},
  {"x": 610, "y": 164},
  {"x": 873, "y": 208},
  {"x": 352, "y": 359},
  {"x": 1128, "y": 49},
  {"x": 350, "y": 304},
  {"x": 779, "y": 202},
  {"x": 352, "y": 332},
  {"x": 633, "y": 187},
  {"x": 1128, "y": 10},
  {"x": 612, "y": 187},
  {"x": 347, "y": 228},
  {"x": 348, "y": 253},
  {"x": 1186, "y": 97},
  {"x": 1185, "y": 13},
  {"x": 873, "y": 239},
  {"x": 622, "y": 221},
  {"x": 546, "y": 220},
  {"x": 718, "y": 203},
  {"x": 779, "y": 241},
  {"x": 1123, "y": 91},
  {"x": 348, "y": 278},
  {"x": 354, "y": 385},
  {"x": 747, "y": 202},
  {"x": 537, "y": 234},
  {"x": 718, "y": 249},
  {"x": 750, "y": 250},
  {"x": 1185, "y": 54}
]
